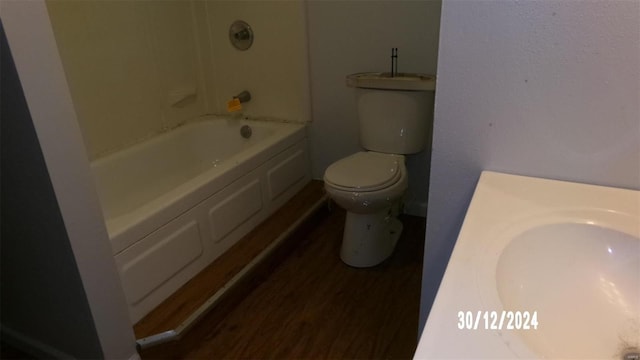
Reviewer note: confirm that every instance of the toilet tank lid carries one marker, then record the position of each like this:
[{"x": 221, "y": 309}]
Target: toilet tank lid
[
  {"x": 365, "y": 171},
  {"x": 384, "y": 81}
]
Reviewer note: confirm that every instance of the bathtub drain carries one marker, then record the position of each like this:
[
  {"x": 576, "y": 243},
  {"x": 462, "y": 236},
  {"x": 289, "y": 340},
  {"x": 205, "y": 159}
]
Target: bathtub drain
[{"x": 245, "y": 131}]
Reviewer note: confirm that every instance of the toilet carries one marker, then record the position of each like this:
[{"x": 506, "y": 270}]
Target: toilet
[{"x": 394, "y": 116}]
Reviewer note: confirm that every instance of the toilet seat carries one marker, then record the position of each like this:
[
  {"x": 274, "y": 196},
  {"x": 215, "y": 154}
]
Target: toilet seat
[{"x": 364, "y": 171}]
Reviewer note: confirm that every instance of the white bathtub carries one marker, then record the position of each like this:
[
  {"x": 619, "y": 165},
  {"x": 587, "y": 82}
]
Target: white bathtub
[
  {"x": 176, "y": 202},
  {"x": 542, "y": 269}
]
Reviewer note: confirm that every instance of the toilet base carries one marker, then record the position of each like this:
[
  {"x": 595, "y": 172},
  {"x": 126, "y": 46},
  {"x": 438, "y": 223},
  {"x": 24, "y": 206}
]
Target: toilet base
[{"x": 369, "y": 239}]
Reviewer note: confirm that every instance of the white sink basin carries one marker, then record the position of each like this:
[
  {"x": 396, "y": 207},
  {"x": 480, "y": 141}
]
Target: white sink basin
[
  {"x": 566, "y": 253},
  {"x": 587, "y": 293}
]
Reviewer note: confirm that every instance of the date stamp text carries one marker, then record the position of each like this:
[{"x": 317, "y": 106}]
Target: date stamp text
[{"x": 497, "y": 320}]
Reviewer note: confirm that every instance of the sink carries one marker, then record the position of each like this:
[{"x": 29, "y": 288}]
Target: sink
[
  {"x": 562, "y": 257},
  {"x": 587, "y": 294}
]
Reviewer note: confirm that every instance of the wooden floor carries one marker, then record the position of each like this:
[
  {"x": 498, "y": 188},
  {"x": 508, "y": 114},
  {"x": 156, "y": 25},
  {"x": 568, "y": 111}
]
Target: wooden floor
[{"x": 314, "y": 306}]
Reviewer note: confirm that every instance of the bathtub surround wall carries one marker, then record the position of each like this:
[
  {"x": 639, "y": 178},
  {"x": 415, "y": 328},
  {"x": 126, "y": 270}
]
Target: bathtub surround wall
[
  {"x": 546, "y": 89},
  {"x": 346, "y": 37},
  {"x": 123, "y": 61},
  {"x": 275, "y": 68},
  {"x": 138, "y": 68}
]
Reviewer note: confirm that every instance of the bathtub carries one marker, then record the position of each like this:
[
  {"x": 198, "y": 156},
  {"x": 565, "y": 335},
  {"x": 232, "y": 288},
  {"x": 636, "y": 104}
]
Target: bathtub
[
  {"x": 174, "y": 203},
  {"x": 542, "y": 269}
]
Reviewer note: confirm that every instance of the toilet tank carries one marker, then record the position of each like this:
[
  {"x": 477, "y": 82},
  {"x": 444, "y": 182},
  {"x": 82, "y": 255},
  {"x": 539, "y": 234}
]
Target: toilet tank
[{"x": 395, "y": 113}]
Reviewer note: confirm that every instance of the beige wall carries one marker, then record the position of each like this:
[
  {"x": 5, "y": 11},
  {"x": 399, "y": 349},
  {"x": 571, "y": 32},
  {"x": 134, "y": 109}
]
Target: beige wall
[{"x": 128, "y": 62}]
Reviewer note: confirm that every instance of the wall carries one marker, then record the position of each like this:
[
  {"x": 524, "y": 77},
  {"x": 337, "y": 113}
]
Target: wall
[
  {"x": 347, "y": 37},
  {"x": 37, "y": 264},
  {"x": 128, "y": 64},
  {"x": 31, "y": 40},
  {"x": 547, "y": 89}
]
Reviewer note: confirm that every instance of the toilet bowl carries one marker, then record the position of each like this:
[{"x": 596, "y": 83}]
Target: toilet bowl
[{"x": 370, "y": 187}]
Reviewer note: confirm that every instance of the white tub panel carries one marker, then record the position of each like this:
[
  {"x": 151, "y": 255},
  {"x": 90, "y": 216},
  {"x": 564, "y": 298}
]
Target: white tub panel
[
  {"x": 235, "y": 210},
  {"x": 286, "y": 173},
  {"x": 200, "y": 213},
  {"x": 158, "y": 257}
]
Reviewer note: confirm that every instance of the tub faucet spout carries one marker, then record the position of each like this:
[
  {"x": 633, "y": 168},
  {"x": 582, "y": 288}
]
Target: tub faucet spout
[{"x": 243, "y": 96}]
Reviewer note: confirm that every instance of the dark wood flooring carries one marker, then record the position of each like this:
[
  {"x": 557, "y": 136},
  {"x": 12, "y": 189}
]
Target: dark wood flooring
[{"x": 311, "y": 305}]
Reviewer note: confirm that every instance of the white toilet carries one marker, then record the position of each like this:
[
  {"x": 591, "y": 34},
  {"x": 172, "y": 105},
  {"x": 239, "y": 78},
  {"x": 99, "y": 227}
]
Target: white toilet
[{"x": 394, "y": 115}]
